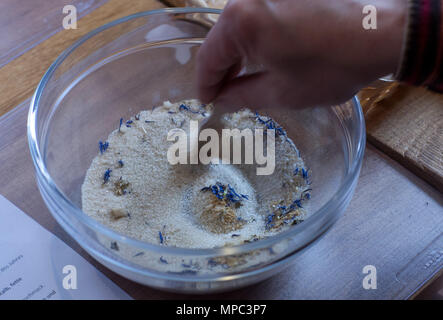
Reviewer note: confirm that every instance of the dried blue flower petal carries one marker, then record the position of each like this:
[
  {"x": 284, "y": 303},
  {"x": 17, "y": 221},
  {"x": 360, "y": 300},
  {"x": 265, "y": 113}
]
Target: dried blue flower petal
[
  {"x": 285, "y": 210},
  {"x": 103, "y": 146},
  {"x": 268, "y": 222},
  {"x": 270, "y": 125},
  {"x": 233, "y": 191},
  {"x": 120, "y": 162},
  {"x": 114, "y": 246},
  {"x": 227, "y": 193},
  {"x": 306, "y": 194},
  {"x": 212, "y": 263},
  {"x": 120, "y": 125},
  {"x": 160, "y": 236},
  {"x": 187, "y": 108},
  {"x": 106, "y": 176},
  {"x": 270, "y": 226},
  {"x": 128, "y": 123},
  {"x": 298, "y": 203},
  {"x": 183, "y": 107},
  {"x": 163, "y": 260}
]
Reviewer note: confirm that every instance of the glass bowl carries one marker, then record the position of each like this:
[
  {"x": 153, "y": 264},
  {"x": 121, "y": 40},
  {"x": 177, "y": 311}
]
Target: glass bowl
[{"x": 137, "y": 62}]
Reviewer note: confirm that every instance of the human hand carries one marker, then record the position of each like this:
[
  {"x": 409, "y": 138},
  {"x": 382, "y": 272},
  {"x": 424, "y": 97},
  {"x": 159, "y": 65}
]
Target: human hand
[{"x": 309, "y": 52}]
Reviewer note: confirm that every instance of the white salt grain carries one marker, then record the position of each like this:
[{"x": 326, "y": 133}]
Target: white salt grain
[{"x": 147, "y": 198}]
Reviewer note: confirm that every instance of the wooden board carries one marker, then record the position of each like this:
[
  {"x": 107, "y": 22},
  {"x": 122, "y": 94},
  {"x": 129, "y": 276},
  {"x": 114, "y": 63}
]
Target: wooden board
[
  {"x": 19, "y": 78},
  {"x": 408, "y": 126}
]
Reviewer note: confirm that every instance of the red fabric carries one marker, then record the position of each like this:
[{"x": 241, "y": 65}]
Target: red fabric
[{"x": 425, "y": 12}]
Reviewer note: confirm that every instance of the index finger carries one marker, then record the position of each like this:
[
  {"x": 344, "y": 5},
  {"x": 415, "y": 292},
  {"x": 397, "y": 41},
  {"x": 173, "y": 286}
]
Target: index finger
[{"x": 218, "y": 55}]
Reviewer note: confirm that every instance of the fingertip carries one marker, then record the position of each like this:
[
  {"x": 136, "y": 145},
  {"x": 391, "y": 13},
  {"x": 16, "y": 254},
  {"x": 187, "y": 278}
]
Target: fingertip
[
  {"x": 205, "y": 95},
  {"x": 218, "y": 59}
]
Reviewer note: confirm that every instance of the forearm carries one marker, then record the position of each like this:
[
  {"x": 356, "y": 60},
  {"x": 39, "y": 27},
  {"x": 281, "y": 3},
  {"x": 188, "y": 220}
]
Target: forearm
[
  {"x": 391, "y": 25},
  {"x": 377, "y": 52}
]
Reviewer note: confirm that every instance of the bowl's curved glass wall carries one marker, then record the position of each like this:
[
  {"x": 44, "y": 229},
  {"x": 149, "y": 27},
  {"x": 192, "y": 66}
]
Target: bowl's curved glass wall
[{"x": 134, "y": 65}]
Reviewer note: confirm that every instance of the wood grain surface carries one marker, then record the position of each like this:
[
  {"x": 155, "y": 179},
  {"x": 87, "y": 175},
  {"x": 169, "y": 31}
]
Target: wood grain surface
[
  {"x": 408, "y": 126},
  {"x": 19, "y": 78},
  {"x": 26, "y": 23}
]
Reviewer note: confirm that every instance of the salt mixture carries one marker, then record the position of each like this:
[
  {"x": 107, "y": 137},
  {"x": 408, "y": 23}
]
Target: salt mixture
[{"x": 132, "y": 188}]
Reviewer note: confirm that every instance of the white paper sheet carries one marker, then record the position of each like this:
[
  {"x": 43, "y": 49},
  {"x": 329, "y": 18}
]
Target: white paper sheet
[{"x": 33, "y": 262}]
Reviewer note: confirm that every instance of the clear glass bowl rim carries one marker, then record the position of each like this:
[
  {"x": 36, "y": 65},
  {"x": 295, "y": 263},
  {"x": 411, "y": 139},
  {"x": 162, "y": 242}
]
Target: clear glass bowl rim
[{"x": 42, "y": 174}]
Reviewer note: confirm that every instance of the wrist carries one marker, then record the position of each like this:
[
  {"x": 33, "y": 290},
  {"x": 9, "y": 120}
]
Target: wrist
[
  {"x": 381, "y": 46},
  {"x": 393, "y": 17},
  {"x": 395, "y": 33},
  {"x": 374, "y": 49}
]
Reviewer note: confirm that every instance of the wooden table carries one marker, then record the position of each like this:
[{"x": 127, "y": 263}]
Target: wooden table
[{"x": 394, "y": 221}]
